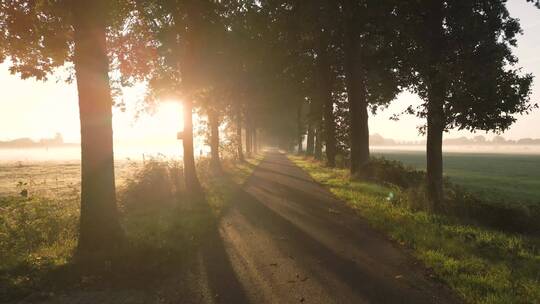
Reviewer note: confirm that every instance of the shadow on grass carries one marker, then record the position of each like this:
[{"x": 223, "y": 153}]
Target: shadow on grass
[{"x": 173, "y": 253}]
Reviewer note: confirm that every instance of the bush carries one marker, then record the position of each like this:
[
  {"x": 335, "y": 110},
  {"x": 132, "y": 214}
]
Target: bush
[
  {"x": 36, "y": 235},
  {"x": 410, "y": 191},
  {"x": 157, "y": 182},
  {"x": 393, "y": 172}
]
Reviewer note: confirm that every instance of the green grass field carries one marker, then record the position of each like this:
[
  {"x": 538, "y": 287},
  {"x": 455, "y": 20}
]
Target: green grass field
[
  {"x": 496, "y": 177},
  {"x": 482, "y": 265}
]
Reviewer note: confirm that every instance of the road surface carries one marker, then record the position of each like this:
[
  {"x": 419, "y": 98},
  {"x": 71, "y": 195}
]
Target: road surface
[{"x": 286, "y": 239}]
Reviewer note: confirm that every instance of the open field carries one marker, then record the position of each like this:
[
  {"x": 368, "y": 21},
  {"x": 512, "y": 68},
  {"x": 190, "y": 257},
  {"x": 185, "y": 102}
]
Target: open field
[
  {"x": 51, "y": 178},
  {"x": 497, "y": 177}
]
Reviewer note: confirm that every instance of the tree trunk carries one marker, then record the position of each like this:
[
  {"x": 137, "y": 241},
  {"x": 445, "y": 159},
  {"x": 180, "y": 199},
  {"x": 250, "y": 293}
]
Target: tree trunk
[
  {"x": 310, "y": 139},
  {"x": 434, "y": 154},
  {"x": 318, "y": 141},
  {"x": 328, "y": 103},
  {"x": 435, "y": 107},
  {"x": 239, "y": 135},
  {"x": 300, "y": 129},
  {"x": 190, "y": 173},
  {"x": 356, "y": 92},
  {"x": 254, "y": 140},
  {"x": 99, "y": 227},
  {"x": 248, "y": 138},
  {"x": 215, "y": 162},
  {"x": 190, "y": 59}
]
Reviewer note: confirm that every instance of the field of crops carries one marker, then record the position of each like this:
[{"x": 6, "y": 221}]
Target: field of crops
[{"x": 497, "y": 177}]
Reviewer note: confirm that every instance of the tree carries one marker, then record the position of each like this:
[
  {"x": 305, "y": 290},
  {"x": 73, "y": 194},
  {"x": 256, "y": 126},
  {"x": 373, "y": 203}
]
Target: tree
[
  {"x": 39, "y": 36},
  {"x": 371, "y": 47},
  {"x": 213, "y": 121},
  {"x": 240, "y": 153},
  {"x": 464, "y": 70},
  {"x": 325, "y": 76},
  {"x": 184, "y": 32},
  {"x": 535, "y": 2}
]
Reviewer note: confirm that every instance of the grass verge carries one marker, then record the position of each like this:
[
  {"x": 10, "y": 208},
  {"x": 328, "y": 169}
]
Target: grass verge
[
  {"x": 482, "y": 265},
  {"x": 164, "y": 227}
]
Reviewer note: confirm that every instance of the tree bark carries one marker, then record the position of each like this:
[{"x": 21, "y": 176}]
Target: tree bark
[
  {"x": 328, "y": 103},
  {"x": 248, "y": 137},
  {"x": 434, "y": 157},
  {"x": 325, "y": 94},
  {"x": 436, "y": 86},
  {"x": 100, "y": 230},
  {"x": 215, "y": 161},
  {"x": 240, "y": 152},
  {"x": 254, "y": 140},
  {"x": 190, "y": 173},
  {"x": 318, "y": 141},
  {"x": 356, "y": 91},
  {"x": 300, "y": 128},
  {"x": 310, "y": 139}
]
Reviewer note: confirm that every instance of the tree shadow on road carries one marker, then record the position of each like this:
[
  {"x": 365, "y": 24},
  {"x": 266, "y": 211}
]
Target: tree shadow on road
[{"x": 364, "y": 279}]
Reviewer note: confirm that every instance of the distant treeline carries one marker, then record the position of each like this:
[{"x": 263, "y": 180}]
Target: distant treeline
[
  {"x": 25, "y": 142},
  {"x": 379, "y": 140}
]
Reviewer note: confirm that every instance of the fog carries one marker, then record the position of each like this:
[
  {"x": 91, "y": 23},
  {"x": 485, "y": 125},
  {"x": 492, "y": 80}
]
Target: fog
[{"x": 497, "y": 149}]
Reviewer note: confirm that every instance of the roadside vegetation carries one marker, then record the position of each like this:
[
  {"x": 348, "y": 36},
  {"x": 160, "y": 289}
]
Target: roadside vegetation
[
  {"x": 163, "y": 227},
  {"x": 495, "y": 177},
  {"x": 482, "y": 264}
]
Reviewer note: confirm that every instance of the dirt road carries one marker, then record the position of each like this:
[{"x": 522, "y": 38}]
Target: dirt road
[{"x": 288, "y": 240}]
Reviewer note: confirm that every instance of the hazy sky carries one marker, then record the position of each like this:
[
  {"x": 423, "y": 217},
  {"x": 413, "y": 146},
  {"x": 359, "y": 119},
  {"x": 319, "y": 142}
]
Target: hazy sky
[{"x": 40, "y": 109}]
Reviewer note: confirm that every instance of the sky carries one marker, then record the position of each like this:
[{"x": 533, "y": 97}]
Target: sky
[{"x": 35, "y": 109}]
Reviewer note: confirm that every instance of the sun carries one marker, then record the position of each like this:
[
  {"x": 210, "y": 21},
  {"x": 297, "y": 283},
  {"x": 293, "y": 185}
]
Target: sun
[
  {"x": 157, "y": 128},
  {"x": 169, "y": 115}
]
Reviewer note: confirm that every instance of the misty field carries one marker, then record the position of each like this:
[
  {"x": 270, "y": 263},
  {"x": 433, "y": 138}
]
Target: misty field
[
  {"x": 496, "y": 177},
  {"x": 51, "y": 178}
]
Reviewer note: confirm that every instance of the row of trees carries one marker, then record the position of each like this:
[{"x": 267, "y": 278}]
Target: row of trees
[
  {"x": 281, "y": 69},
  {"x": 457, "y": 56}
]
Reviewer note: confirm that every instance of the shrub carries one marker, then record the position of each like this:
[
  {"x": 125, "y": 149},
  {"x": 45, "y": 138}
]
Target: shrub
[
  {"x": 393, "y": 172},
  {"x": 157, "y": 182},
  {"x": 410, "y": 191},
  {"x": 36, "y": 232}
]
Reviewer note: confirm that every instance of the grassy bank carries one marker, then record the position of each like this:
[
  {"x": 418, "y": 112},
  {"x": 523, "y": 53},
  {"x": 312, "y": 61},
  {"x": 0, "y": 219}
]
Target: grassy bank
[
  {"x": 499, "y": 178},
  {"x": 482, "y": 265},
  {"x": 164, "y": 228}
]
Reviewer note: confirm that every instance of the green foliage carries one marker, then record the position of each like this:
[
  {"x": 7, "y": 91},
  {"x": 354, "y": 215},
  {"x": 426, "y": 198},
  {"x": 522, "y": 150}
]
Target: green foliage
[
  {"x": 36, "y": 234},
  {"x": 393, "y": 172},
  {"x": 38, "y": 36},
  {"x": 410, "y": 191},
  {"x": 480, "y": 264},
  {"x": 156, "y": 183},
  {"x": 447, "y": 49},
  {"x": 163, "y": 226}
]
